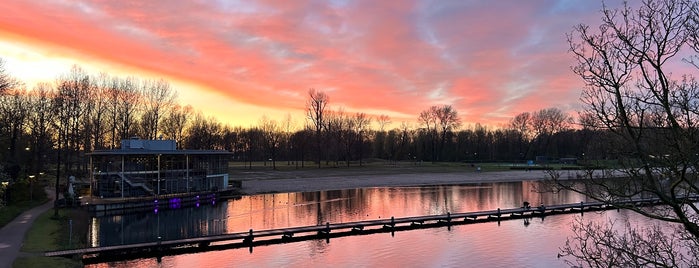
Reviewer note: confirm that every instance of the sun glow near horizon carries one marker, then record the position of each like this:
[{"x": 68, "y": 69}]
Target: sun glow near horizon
[{"x": 241, "y": 62}]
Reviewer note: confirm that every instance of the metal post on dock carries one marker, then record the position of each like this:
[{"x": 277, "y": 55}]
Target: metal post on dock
[
  {"x": 448, "y": 217},
  {"x": 248, "y": 239},
  {"x": 70, "y": 232},
  {"x": 499, "y": 213},
  {"x": 159, "y": 257},
  {"x": 391, "y": 224},
  {"x": 327, "y": 232}
]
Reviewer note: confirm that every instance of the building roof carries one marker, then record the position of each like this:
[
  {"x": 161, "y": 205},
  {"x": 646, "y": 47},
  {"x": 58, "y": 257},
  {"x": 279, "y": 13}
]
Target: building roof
[
  {"x": 137, "y": 146},
  {"x": 158, "y": 152}
]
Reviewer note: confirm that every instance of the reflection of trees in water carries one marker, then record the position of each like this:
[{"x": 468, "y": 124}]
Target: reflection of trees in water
[{"x": 279, "y": 210}]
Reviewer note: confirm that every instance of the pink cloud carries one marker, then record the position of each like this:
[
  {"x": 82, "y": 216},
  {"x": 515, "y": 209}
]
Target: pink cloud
[{"x": 490, "y": 60}]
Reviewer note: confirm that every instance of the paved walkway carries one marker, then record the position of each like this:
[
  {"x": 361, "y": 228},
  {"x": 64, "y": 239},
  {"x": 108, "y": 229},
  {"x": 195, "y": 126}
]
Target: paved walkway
[
  {"x": 260, "y": 184},
  {"x": 12, "y": 234}
]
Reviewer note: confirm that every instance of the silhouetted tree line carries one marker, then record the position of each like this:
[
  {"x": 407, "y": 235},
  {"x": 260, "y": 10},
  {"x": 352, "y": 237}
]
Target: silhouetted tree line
[{"x": 57, "y": 123}]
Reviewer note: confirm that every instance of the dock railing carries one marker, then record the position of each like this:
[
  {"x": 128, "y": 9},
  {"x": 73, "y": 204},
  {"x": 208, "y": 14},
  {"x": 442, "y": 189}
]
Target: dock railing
[{"x": 251, "y": 238}]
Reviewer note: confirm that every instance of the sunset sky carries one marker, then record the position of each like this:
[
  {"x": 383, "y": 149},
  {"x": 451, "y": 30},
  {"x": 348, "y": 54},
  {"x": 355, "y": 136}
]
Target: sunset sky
[{"x": 240, "y": 60}]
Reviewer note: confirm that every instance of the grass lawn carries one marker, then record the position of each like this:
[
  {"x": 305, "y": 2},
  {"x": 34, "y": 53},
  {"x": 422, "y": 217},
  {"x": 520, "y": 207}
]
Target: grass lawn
[{"x": 52, "y": 233}]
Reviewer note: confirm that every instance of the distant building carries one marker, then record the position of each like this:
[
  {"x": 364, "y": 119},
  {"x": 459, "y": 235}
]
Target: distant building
[{"x": 155, "y": 167}]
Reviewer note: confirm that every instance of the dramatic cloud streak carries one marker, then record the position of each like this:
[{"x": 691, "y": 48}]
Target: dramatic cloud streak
[{"x": 489, "y": 59}]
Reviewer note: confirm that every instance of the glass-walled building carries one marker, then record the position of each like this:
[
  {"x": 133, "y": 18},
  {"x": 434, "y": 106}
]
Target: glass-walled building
[{"x": 155, "y": 167}]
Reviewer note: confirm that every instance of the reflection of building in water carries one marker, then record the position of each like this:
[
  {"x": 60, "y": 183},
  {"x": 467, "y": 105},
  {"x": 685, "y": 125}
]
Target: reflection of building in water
[
  {"x": 156, "y": 167},
  {"x": 168, "y": 224}
]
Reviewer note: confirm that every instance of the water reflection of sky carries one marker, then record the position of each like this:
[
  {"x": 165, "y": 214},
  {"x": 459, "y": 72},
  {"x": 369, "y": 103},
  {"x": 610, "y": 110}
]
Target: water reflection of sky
[
  {"x": 300, "y": 209},
  {"x": 270, "y": 211},
  {"x": 510, "y": 243}
]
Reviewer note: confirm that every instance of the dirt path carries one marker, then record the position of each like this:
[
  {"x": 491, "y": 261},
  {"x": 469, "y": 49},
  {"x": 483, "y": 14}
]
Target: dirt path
[{"x": 261, "y": 184}]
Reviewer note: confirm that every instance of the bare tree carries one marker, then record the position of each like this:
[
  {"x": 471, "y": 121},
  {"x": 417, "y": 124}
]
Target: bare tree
[
  {"x": 129, "y": 99},
  {"x": 122, "y": 100},
  {"x": 299, "y": 141},
  {"x": 315, "y": 112},
  {"x": 13, "y": 119},
  {"x": 383, "y": 121},
  {"x": 159, "y": 98},
  {"x": 98, "y": 111},
  {"x": 448, "y": 120},
  {"x": 547, "y": 122},
  {"x": 429, "y": 119},
  {"x": 251, "y": 139},
  {"x": 336, "y": 133},
  {"x": 630, "y": 91},
  {"x": 175, "y": 122},
  {"x": 39, "y": 123},
  {"x": 439, "y": 122},
  {"x": 6, "y": 80},
  {"x": 204, "y": 133},
  {"x": 361, "y": 125},
  {"x": 271, "y": 136},
  {"x": 536, "y": 129},
  {"x": 113, "y": 91},
  {"x": 288, "y": 125},
  {"x": 71, "y": 108},
  {"x": 68, "y": 106},
  {"x": 599, "y": 244},
  {"x": 349, "y": 132},
  {"x": 407, "y": 136},
  {"x": 522, "y": 125}
]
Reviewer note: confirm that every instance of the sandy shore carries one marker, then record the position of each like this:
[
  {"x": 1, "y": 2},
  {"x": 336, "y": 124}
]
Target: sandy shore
[{"x": 283, "y": 185}]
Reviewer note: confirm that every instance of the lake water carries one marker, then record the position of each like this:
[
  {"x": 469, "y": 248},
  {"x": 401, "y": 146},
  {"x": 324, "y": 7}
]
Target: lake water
[{"x": 508, "y": 243}]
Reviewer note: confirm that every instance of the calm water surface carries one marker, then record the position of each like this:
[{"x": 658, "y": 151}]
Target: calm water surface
[{"x": 510, "y": 243}]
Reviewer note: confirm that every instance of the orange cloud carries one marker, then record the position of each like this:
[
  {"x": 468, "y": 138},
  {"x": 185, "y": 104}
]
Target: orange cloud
[{"x": 387, "y": 57}]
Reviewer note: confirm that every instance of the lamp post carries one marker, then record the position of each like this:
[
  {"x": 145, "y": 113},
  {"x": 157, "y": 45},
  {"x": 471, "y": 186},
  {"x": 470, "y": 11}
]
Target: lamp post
[
  {"x": 58, "y": 174},
  {"x": 31, "y": 187},
  {"x": 30, "y": 178},
  {"x": 27, "y": 162}
]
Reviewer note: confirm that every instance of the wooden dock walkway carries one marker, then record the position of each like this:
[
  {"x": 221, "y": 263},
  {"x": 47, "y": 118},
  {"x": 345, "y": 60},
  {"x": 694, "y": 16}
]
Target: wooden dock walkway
[{"x": 254, "y": 238}]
